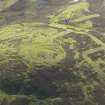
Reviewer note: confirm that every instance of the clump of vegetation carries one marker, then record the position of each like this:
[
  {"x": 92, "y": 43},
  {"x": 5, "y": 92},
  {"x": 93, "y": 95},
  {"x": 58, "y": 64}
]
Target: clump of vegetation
[
  {"x": 70, "y": 13},
  {"x": 33, "y": 44},
  {"x": 47, "y": 64},
  {"x": 25, "y": 48},
  {"x": 76, "y": 15}
]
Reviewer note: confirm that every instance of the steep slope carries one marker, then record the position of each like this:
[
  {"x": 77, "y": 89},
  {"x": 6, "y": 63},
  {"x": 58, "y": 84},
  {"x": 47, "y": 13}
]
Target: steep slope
[{"x": 55, "y": 62}]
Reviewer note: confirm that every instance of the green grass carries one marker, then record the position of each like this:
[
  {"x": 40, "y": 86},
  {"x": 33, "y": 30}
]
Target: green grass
[
  {"x": 34, "y": 44},
  {"x": 85, "y": 18},
  {"x": 70, "y": 12},
  {"x": 41, "y": 45},
  {"x": 76, "y": 17}
]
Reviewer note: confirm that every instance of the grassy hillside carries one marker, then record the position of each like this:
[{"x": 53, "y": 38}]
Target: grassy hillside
[{"x": 58, "y": 60}]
